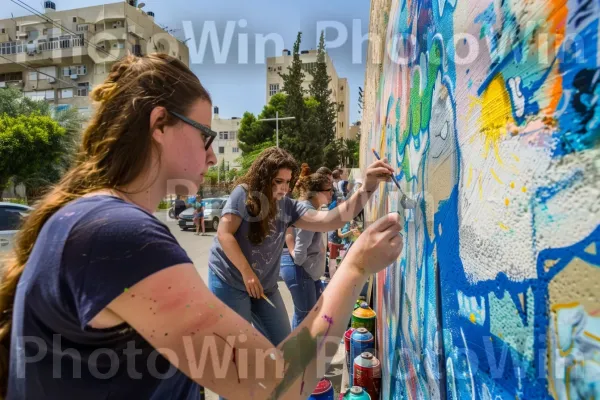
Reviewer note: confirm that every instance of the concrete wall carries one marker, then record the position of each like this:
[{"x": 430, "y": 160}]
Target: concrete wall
[{"x": 493, "y": 124}]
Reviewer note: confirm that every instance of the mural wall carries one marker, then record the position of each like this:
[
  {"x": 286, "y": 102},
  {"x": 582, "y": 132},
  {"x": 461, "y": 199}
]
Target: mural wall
[{"x": 490, "y": 111}]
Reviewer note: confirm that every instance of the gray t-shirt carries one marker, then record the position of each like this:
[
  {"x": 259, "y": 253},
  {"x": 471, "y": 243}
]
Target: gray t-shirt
[
  {"x": 309, "y": 251},
  {"x": 263, "y": 258}
]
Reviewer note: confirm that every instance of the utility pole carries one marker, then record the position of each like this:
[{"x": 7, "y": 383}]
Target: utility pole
[{"x": 277, "y": 119}]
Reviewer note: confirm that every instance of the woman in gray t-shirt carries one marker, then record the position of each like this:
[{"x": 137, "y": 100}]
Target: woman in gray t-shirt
[
  {"x": 303, "y": 265},
  {"x": 246, "y": 253}
]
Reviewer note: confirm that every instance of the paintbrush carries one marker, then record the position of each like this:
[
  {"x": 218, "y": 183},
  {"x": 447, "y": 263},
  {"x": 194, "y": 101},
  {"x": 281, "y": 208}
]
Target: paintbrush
[
  {"x": 405, "y": 202},
  {"x": 268, "y": 301}
]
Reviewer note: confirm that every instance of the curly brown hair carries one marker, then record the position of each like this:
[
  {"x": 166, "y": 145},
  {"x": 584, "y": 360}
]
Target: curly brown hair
[{"x": 259, "y": 185}]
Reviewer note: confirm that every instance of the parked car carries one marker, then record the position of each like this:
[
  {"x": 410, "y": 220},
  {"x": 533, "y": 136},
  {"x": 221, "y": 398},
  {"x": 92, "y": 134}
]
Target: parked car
[
  {"x": 212, "y": 214},
  {"x": 11, "y": 216}
]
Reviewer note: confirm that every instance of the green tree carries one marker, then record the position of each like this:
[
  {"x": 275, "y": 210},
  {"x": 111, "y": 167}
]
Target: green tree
[
  {"x": 320, "y": 91},
  {"x": 253, "y": 133},
  {"x": 246, "y": 159},
  {"x": 13, "y": 104},
  {"x": 301, "y": 136},
  {"x": 28, "y": 144},
  {"x": 37, "y": 182}
]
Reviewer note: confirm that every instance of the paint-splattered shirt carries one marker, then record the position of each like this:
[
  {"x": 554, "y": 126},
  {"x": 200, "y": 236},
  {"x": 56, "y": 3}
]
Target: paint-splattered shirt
[
  {"x": 263, "y": 258},
  {"x": 88, "y": 253}
]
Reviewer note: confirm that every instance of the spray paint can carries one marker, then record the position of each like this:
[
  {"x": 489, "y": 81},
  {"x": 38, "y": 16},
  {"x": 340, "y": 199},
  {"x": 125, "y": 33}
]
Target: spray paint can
[
  {"x": 361, "y": 340},
  {"x": 364, "y": 317},
  {"x": 323, "y": 391},
  {"x": 367, "y": 374},
  {"x": 357, "y": 393},
  {"x": 347, "y": 336}
]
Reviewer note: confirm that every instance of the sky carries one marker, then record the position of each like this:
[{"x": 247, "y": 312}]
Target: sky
[{"x": 235, "y": 86}]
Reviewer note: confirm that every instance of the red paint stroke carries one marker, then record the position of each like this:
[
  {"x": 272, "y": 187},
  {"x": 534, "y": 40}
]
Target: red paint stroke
[
  {"x": 233, "y": 357},
  {"x": 302, "y": 384},
  {"x": 595, "y": 312}
]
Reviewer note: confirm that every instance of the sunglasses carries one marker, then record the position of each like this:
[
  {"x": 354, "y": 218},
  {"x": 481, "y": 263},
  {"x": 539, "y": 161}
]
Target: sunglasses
[
  {"x": 330, "y": 190},
  {"x": 208, "y": 134}
]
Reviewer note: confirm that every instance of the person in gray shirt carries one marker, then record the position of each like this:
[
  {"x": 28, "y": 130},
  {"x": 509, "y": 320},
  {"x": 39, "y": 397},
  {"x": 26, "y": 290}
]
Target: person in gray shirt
[
  {"x": 245, "y": 257},
  {"x": 303, "y": 265}
]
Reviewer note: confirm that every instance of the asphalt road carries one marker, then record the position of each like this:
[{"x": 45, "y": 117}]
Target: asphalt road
[{"x": 197, "y": 248}]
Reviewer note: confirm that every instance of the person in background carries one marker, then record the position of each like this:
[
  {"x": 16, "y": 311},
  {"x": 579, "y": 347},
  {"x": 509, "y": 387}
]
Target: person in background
[
  {"x": 349, "y": 233},
  {"x": 180, "y": 205},
  {"x": 135, "y": 291},
  {"x": 244, "y": 260},
  {"x": 304, "y": 265},
  {"x": 342, "y": 185},
  {"x": 199, "y": 219}
]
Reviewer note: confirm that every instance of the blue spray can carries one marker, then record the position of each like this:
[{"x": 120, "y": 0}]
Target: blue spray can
[{"x": 361, "y": 340}]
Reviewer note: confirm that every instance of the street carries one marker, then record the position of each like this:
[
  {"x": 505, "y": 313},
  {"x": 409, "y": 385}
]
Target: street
[{"x": 197, "y": 248}]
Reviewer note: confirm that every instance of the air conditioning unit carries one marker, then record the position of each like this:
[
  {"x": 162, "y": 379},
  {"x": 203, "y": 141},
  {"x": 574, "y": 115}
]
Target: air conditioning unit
[
  {"x": 2, "y": 84},
  {"x": 51, "y": 80},
  {"x": 74, "y": 76}
]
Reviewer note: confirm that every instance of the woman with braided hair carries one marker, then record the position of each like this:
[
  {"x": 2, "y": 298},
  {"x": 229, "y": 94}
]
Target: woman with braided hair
[{"x": 98, "y": 300}]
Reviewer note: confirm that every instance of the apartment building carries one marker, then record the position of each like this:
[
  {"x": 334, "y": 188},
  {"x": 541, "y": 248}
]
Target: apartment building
[
  {"x": 225, "y": 144},
  {"x": 60, "y": 55},
  {"x": 338, "y": 86}
]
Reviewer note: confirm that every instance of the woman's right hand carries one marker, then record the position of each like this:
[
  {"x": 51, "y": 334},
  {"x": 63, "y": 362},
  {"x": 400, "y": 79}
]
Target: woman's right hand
[
  {"x": 378, "y": 246},
  {"x": 252, "y": 284}
]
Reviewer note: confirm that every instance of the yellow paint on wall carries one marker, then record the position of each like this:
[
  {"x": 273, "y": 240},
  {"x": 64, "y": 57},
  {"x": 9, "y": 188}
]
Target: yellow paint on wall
[
  {"x": 496, "y": 176},
  {"x": 512, "y": 185},
  {"x": 470, "y": 178},
  {"x": 472, "y": 318},
  {"x": 506, "y": 201},
  {"x": 496, "y": 115},
  {"x": 524, "y": 189},
  {"x": 503, "y": 227}
]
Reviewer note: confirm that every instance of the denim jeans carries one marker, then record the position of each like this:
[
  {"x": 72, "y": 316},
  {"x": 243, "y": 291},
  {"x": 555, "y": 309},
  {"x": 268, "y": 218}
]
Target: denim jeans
[
  {"x": 305, "y": 291},
  {"x": 271, "y": 322}
]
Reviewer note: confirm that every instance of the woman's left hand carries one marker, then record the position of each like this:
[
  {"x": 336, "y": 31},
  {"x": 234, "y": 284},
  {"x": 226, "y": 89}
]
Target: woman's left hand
[{"x": 379, "y": 171}]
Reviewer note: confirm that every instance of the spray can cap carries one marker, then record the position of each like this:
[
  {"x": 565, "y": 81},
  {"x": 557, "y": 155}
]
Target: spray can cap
[
  {"x": 356, "y": 390},
  {"x": 367, "y": 355},
  {"x": 362, "y": 330},
  {"x": 364, "y": 305}
]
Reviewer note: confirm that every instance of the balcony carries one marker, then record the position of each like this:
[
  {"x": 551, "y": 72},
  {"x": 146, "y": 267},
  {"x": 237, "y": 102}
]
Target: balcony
[
  {"x": 12, "y": 84},
  {"x": 136, "y": 30},
  {"x": 43, "y": 50},
  {"x": 109, "y": 34}
]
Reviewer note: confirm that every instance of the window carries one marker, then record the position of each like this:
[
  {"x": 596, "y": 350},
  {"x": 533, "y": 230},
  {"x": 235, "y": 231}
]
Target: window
[
  {"x": 310, "y": 67},
  {"x": 47, "y": 73},
  {"x": 232, "y": 135},
  {"x": 235, "y": 150},
  {"x": 3, "y": 30},
  {"x": 10, "y": 218},
  {"x": 40, "y": 95},
  {"x": 83, "y": 28},
  {"x": 67, "y": 93},
  {"x": 341, "y": 107},
  {"x": 74, "y": 19},
  {"x": 273, "y": 89},
  {"x": 11, "y": 76},
  {"x": 32, "y": 76},
  {"x": 83, "y": 89},
  {"x": 18, "y": 28},
  {"x": 221, "y": 150},
  {"x": 75, "y": 70}
]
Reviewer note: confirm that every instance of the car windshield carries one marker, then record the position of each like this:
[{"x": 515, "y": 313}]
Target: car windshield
[{"x": 212, "y": 203}]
